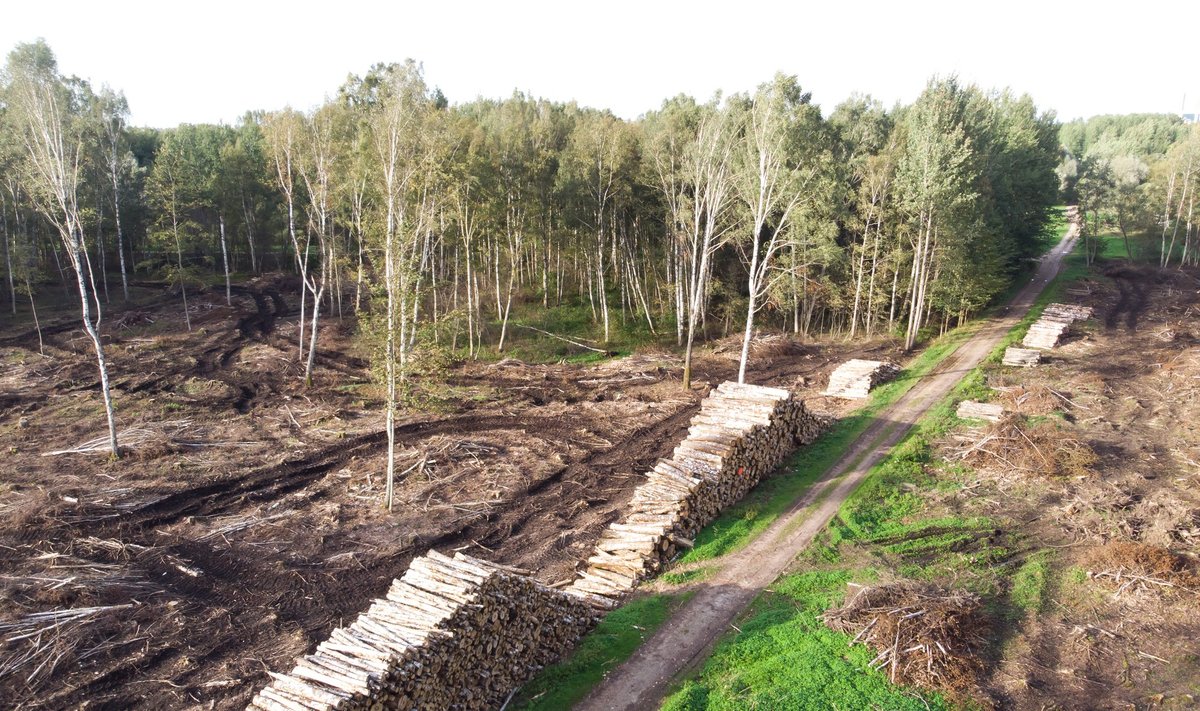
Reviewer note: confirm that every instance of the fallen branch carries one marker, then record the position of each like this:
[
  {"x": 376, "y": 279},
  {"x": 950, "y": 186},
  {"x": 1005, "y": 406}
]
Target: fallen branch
[{"x": 561, "y": 338}]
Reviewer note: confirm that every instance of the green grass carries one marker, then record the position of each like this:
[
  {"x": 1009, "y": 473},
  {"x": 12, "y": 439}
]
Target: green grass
[
  {"x": 783, "y": 657},
  {"x": 567, "y": 320},
  {"x": 684, "y": 577},
  {"x": 561, "y": 685},
  {"x": 1030, "y": 582}
]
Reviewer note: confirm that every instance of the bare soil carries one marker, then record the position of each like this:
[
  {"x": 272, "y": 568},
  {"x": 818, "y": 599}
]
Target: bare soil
[
  {"x": 245, "y": 521},
  {"x": 1118, "y": 626}
]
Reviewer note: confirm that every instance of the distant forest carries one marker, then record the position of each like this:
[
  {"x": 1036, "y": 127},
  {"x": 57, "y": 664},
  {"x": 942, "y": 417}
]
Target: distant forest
[{"x": 436, "y": 219}]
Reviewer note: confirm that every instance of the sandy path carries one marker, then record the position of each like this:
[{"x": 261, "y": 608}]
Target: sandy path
[{"x": 687, "y": 638}]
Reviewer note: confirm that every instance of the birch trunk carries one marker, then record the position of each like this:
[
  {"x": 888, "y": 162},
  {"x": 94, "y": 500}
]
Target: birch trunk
[{"x": 225, "y": 260}]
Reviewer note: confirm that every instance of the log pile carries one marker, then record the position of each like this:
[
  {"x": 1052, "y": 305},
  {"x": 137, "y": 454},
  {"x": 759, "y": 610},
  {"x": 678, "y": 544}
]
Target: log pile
[
  {"x": 452, "y": 633},
  {"x": 971, "y": 410},
  {"x": 1055, "y": 321},
  {"x": 1024, "y": 357},
  {"x": 1045, "y": 333},
  {"x": 855, "y": 378},
  {"x": 1073, "y": 312},
  {"x": 741, "y": 433}
]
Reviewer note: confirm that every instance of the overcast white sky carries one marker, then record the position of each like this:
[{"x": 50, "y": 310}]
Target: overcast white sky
[{"x": 210, "y": 61}]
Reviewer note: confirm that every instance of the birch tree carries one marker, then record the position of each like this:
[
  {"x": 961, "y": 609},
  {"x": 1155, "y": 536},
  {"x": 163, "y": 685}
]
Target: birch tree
[
  {"x": 316, "y": 161},
  {"x": 396, "y": 126},
  {"x": 51, "y": 123},
  {"x": 692, "y": 151},
  {"x": 933, "y": 175},
  {"x": 282, "y": 131},
  {"x": 777, "y": 158},
  {"x": 114, "y": 110}
]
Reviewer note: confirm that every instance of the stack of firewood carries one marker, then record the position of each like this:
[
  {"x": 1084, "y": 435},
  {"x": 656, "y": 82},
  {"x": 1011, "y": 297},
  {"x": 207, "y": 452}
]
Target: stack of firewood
[
  {"x": 1055, "y": 321},
  {"x": 452, "y": 633},
  {"x": 972, "y": 410},
  {"x": 1074, "y": 312},
  {"x": 855, "y": 378},
  {"x": 741, "y": 433},
  {"x": 1045, "y": 333},
  {"x": 1024, "y": 357}
]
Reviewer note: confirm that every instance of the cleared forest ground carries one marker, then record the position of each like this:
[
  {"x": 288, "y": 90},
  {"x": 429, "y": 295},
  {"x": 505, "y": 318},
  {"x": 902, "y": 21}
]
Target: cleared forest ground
[
  {"x": 1114, "y": 623},
  {"x": 245, "y": 521}
]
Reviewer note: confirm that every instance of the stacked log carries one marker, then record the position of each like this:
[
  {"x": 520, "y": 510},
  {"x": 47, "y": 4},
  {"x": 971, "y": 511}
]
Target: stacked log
[
  {"x": 972, "y": 410},
  {"x": 452, "y": 633},
  {"x": 1024, "y": 357},
  {"x": 741, "y": 433},
  {"x": 1053, "y": 324},
  {"x": 1074, "y": 312},
  {"x": 855, "y": 378},
  {"x": 1045, "y": 334}
]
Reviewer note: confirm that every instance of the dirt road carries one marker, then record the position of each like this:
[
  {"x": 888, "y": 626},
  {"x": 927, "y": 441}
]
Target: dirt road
[{"x": 687, "y": 638}]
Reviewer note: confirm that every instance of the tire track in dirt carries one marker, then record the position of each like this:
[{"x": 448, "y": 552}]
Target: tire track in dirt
[{"x": 272, "y": 482}]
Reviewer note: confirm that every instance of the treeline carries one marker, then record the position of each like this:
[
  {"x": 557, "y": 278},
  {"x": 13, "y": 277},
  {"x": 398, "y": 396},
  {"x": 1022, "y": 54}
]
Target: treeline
[
  {"x": 436, "y": 218},
  {"x": 1135, "y": 175}
]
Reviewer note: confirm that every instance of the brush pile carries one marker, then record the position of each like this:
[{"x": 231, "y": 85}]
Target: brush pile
[
  {"x": 922, "y": 635},
  {"x": 1132, "y": 566},
  {"x": 1045, "y": 449}
]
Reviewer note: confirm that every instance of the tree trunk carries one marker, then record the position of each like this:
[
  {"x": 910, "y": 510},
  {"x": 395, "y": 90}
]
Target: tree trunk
[
  {"x": 12, "y": 288},
  {"x": 179, "y": 256},
  {"x": 100, "y": 247},
  {"x": 75, "y": 251},
  {"x": 225, "y": 259},
  {"x": 248, "y": 218},
  {"x": 116, "y": 185}
]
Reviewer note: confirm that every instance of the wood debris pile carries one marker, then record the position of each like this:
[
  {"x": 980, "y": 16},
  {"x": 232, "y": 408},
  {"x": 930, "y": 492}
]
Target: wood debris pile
[
  {"x": 855, "y": 378},
  {"x": 766, "y": 346},
  {"x": 1047, "y": 449},
  {"x": 741, "y": 433},
  {"x": 1133, "y": 566},
  {"x": 923, "y": 635},
  {"x": 452, "y": 633},
  {"x": 1034, "y": 400}
]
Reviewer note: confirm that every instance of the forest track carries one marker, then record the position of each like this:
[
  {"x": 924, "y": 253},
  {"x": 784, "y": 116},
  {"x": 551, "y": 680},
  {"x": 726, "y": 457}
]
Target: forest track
[{"x": 685, "y": 640}]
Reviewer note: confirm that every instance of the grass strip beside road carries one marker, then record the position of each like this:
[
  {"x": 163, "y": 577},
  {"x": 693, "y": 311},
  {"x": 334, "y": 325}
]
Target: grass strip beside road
[{"x": 563, "y": 684}]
